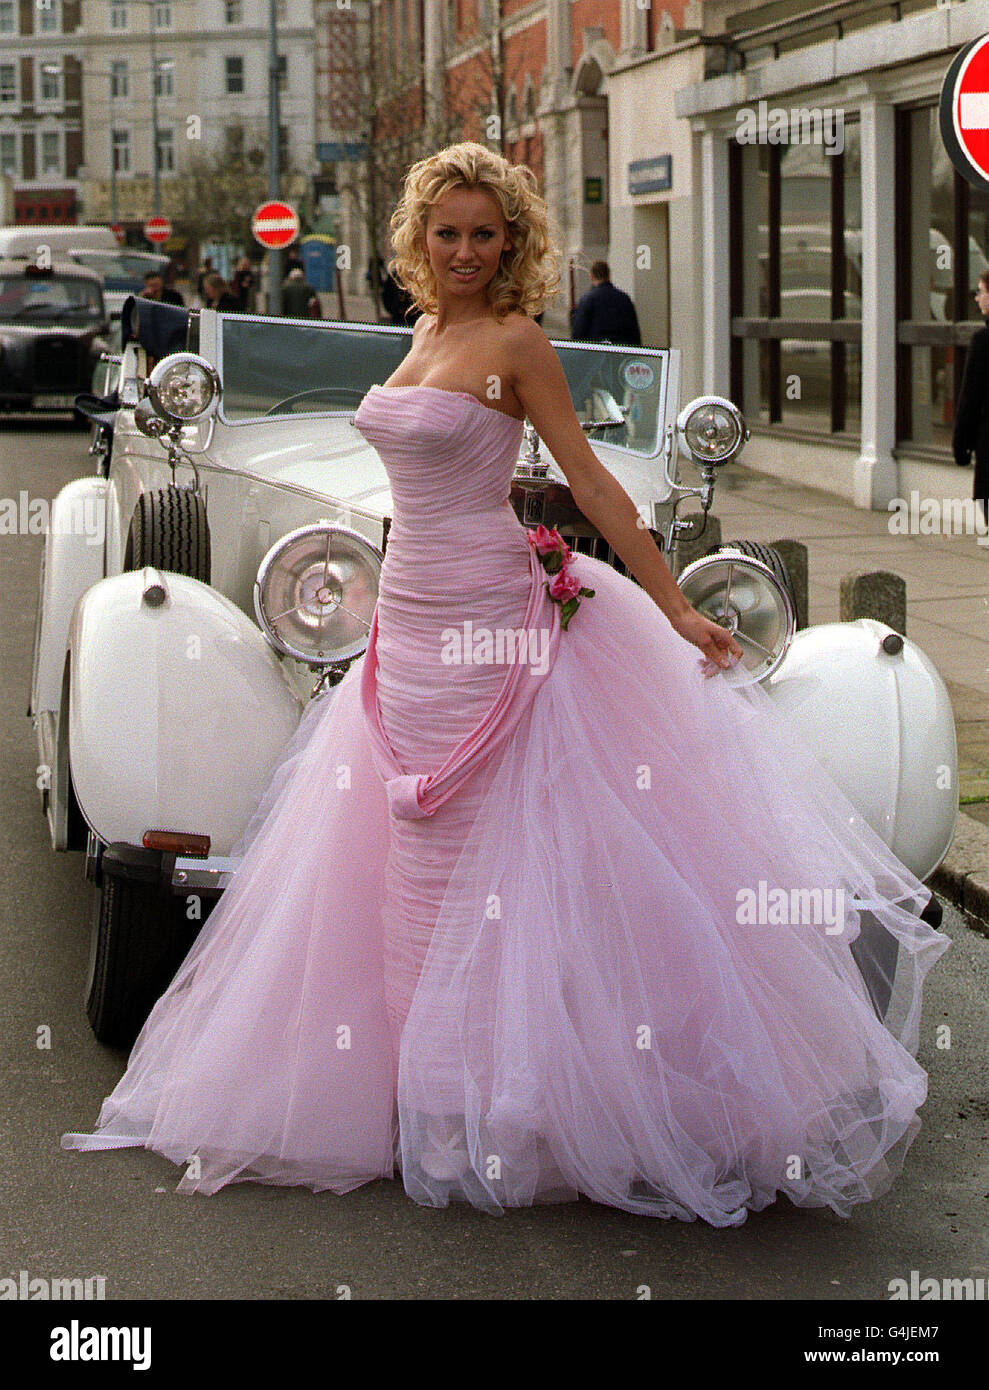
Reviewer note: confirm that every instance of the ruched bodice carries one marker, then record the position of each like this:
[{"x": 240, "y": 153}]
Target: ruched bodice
[{"x": 445, "y": 452}]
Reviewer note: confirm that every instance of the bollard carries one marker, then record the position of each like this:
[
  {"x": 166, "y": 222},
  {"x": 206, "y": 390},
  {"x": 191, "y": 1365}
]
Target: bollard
[
  {"x": 692, "y": 545},
  {"x": 794, "y": 556},
  {"x": 878, "y": 594}
]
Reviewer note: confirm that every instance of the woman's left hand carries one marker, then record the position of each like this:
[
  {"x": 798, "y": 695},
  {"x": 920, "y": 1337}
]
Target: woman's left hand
[{"x": 716, "y": 642}]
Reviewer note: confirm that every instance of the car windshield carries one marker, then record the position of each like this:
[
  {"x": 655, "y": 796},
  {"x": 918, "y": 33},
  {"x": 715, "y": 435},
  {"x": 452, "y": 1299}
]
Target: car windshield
[
  {"x": 289, "y": 367},
  {"x": 121, "y": 270},
  {"x": 25, "y": 298}
]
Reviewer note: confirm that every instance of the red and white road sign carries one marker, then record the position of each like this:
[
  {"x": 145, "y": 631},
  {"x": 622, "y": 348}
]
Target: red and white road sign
[
  {"x": 970, "y": 107},
  {"x": 275, "y": 224},
  {"x": 157, "y": 229}
]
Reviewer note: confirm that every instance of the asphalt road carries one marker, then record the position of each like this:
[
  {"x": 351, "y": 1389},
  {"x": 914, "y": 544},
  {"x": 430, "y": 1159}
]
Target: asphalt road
[{"x": 116, "y": 1214}]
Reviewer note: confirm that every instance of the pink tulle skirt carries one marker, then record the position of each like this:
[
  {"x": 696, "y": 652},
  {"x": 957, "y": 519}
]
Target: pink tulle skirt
[{"x": 551, "y": 982}]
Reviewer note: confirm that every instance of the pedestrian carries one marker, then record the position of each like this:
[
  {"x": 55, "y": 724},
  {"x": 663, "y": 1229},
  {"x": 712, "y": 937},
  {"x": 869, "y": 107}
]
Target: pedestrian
[
  {"x": 605, "y": 313},
  {"x": 971, "y": 431},
  {"x": 299, "y": 299},
  {"x": 242, "y": 285},
  {"x": 398, "y": 304},
  {"x": 206, "y": 268},
  {"x": 154, "y": 288},
  {"x": 293, "y": 261},
  {"x": 218, "y": 294},
  {"x": 169, "y": 294}
]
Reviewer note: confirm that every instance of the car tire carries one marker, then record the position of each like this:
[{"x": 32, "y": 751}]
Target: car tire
[
  {"x": 140, "y": 937},
  {"x": 169, "y": 531},
  {"x": 769, "y": 555}
]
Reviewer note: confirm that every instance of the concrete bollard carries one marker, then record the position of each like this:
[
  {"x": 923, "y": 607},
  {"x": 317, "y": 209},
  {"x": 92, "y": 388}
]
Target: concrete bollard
[
  {"x": 693, "y": 545},
  {"x": 794, "y": 556},
  {"x": 878, "y": 594}
]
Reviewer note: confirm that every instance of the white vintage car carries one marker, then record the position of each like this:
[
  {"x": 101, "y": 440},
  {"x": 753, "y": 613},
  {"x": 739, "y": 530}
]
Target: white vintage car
[{"x": 219, "y": 569}]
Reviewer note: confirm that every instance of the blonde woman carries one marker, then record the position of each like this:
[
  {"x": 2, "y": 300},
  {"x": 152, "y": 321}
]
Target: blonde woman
[{"x": 493, "y": 928}]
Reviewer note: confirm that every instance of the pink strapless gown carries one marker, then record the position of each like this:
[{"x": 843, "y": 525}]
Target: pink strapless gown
[{"x": 486, "y": 927}]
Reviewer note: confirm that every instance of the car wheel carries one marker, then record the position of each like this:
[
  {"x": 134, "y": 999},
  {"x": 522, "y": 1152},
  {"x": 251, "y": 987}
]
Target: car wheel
[
  {"x": 139, "y": 939},
  {"x": 769, "y": 555},
  {"x": 169, "y": 531}
]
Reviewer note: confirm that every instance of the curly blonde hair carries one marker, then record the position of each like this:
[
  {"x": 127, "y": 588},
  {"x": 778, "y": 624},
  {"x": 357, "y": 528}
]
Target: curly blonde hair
[{"x": 527, "y": 275}]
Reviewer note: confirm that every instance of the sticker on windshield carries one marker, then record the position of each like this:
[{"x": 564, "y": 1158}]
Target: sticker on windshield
[{"x": 638, "y": 375}]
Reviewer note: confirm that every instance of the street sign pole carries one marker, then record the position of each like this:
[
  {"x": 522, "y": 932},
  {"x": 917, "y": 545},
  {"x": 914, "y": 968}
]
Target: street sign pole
[{"x": 274, "y": 305}]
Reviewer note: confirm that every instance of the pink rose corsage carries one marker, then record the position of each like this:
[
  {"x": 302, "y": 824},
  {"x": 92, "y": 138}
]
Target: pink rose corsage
[{"x": 555, "y": 556}]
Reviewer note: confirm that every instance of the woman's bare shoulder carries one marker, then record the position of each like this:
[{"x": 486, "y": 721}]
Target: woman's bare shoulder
[{"x": 522, "y": 327}]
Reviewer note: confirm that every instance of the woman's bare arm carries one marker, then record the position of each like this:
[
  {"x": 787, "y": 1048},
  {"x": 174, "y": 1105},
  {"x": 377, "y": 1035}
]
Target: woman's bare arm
[{"x": 541, "y": 386}]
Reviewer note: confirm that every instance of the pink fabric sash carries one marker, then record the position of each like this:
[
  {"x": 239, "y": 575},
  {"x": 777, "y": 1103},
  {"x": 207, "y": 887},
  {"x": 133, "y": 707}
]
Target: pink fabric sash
[{"x": 412, "y": 795}]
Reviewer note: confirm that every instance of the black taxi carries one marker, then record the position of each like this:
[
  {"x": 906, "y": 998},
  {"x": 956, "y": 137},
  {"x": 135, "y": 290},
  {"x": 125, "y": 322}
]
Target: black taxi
[{"x": 53, "y": 327}]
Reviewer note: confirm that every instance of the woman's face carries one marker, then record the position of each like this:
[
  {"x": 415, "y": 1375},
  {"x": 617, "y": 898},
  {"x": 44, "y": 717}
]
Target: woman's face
[
  {"x": 465, "y": 232},
  {"x": 982, "y": 298}
]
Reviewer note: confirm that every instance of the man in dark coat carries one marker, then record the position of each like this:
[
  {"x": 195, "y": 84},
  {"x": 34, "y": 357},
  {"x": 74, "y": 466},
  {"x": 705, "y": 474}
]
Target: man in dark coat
[
  {"x": 297, "y": 295},
  {"x": 972, "y": 414},
  {"x": 605, "y": 312}
]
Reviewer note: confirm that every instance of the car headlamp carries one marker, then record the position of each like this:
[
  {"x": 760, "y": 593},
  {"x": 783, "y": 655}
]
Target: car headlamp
[
  {"x": 712, "y": 429},
  {"x": 743, "y": 595},
  {"x": 315, "y": 593},
  {"x": 184, "y": 388}
]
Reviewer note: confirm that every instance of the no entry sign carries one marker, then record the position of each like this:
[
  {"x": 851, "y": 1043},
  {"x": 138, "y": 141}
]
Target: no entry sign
[
  {"x": 963, "y": 113},
  {"x": 157, "y": 229},
  {"x": 275, "y": 224}
]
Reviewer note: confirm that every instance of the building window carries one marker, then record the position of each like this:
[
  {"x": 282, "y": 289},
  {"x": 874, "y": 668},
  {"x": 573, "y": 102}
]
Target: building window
[
  {"x": 233, "y": 138},
  {"x": 118, "y": 14},
  {"x": 163, "y": 15},
  {"x": 121, "y": 151},
  {"x": 51, "y": 153},
  {"x": 8, "y": 17},
  {"x": 164, "y": 84},
  {"x": 119, "y": 85},
  {"x": 49, "y": 17},
  {"x": 233, "y": 12},
  {"x": 281, "y": 9},
  {"x": 49, "y": 84},
  {"x": 282, "y": 71},
  {"x": 8, "y": 154},
  {"x": 234, "y": 70},
  {"x": 166, "y": 152},
  {"x": 795, "y": 283},
  {"x": 8, "y": 84},
  {"x": 942, "y": 245}
]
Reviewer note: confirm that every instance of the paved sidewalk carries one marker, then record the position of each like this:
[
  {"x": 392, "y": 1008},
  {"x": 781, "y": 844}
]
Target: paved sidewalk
[{"x": 947, "y": 579}]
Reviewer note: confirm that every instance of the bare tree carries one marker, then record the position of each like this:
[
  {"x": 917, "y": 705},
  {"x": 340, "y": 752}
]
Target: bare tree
[
  {"x": 219, "y": 189},
  {"x": 402, "y": 120}
]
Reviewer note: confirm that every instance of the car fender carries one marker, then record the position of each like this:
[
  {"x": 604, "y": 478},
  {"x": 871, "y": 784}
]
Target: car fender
[
  {"x": 879, "y": 720},
  {"x": 72, "y": 563},
  {"x": 178, "y": 709}
]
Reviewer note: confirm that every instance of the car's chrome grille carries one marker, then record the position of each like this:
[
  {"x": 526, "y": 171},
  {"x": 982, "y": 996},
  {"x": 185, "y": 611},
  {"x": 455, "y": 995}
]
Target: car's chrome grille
[
  {"x": 56, "y": 363},
  {"x": 594, "y": 544}
]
